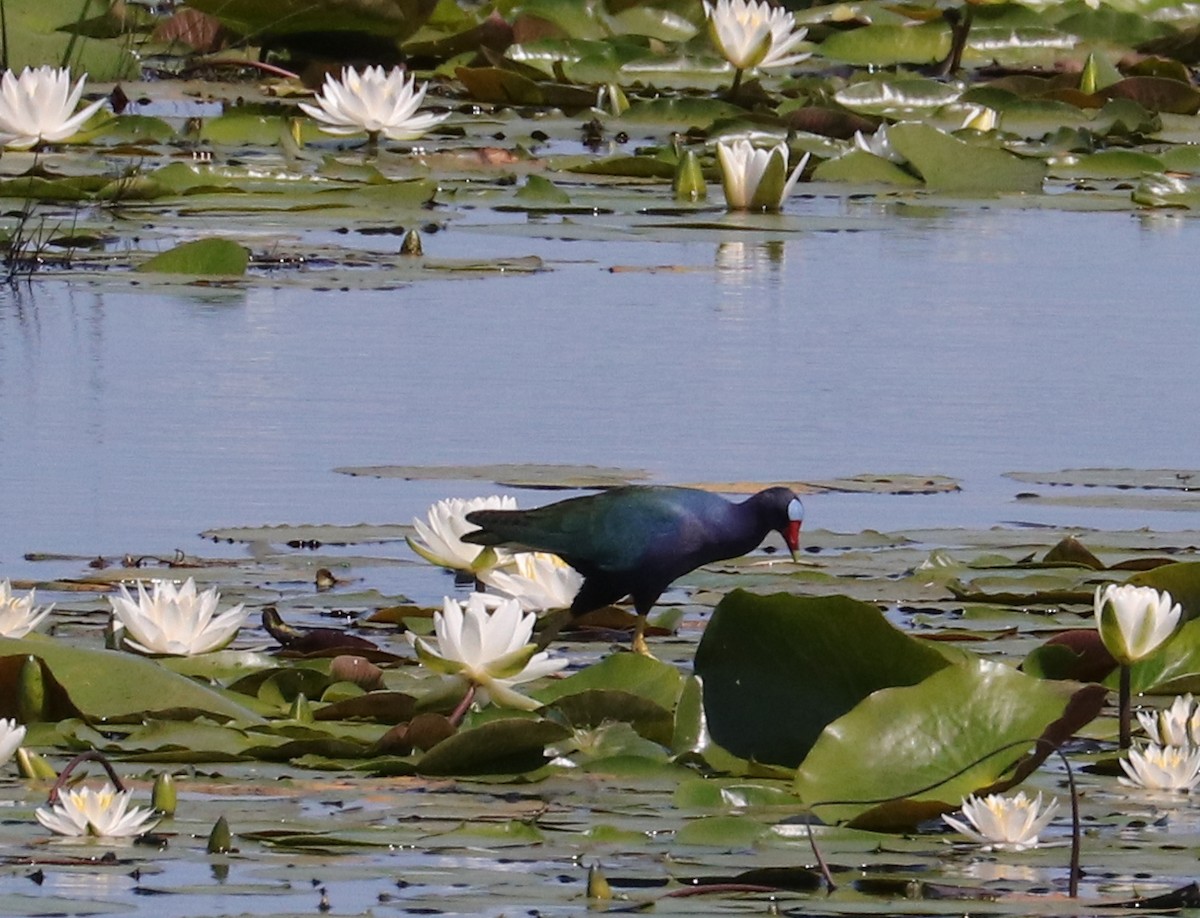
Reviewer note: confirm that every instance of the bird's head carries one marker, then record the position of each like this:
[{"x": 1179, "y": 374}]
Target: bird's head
[
  {"x": 782, "y": 511},
  {"x": 791, "y": 530}
]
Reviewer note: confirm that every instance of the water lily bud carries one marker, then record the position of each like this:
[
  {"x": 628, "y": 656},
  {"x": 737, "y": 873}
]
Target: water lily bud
[
  {"x": 164, "y": 797},
  {"x": 1097, "y": 74},
  {"x": 31, "y": 692},
  {"x": 34, "y": 766},
  {"x": 597, "y": 885},
  {"x": 612, "y": 99},
  {"x": 688, "y": 184},
  {"x": 411, "y": 245},
  {"x": 301, "y": 710},
  {"x": 220, "y": 841},
  {"x": 358, "y": 670},
  {"x": 1135, "y": 621}
]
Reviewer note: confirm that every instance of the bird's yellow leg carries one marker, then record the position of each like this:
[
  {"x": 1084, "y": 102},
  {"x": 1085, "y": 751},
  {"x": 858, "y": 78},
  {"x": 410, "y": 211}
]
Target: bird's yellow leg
[{"x": 639, "y": 638}]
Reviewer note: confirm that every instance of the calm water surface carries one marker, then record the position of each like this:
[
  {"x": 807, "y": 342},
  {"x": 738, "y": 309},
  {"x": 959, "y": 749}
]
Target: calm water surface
[{"x": 968, "y": 345}]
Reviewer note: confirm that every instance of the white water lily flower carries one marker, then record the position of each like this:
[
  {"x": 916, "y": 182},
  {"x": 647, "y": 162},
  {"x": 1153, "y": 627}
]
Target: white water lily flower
[
  {"x": 1178, "y": 725},
  {"x": 19, "y": 616},
  {"x": 374, "y": 101},
  {"x": 1135, "y": 621},
  {"x": 492, "y": 650},
  {"x": 172, "y": 620},
  {"x": 540, "y": 582},
  {"x": 1004, "y": 823},
  {"x": 104, "y": 814},
  {"x": 756, "y": 179},
  {"x": 441, "y": 538},
  {"x": 878, "y": 145},
  {"x": 39, "y": 106},
  {"x": 752, "y": 33},
  {"x": 1175, "y": 768},
  {"x": 12, "y": 735}
]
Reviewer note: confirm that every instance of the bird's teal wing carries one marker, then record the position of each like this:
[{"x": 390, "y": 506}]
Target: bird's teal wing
[{"x": 614, "y": 530}]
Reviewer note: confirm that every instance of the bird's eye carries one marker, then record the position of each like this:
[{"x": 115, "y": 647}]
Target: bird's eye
[{"x": 795, "y": 510}]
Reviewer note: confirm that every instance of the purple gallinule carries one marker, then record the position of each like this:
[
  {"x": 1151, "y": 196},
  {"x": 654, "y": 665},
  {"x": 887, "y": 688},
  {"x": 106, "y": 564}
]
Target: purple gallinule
[{"x": 634, "y": 541}]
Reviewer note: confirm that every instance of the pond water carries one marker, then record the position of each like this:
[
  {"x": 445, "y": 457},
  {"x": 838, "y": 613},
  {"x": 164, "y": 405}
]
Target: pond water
[{"x": 965, "y": 342}]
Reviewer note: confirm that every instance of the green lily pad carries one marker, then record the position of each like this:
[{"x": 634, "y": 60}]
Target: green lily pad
[
  {"x": 909, "y": 753},
  {"x": 393, "y": 19},
  {"x": 862, "y": 168},
  {"x": 508, "y": 745},
  {"x": 633, "y": 674},
  {"x": 595, "y": 707},
  {"x": 884, "y": 45},
  {"x": 1172, "y": 669},
  {"x": 778, "y": 669},
  {"x": 952, "y": 165},
  {"x": 110, "y": 685},
  {"x": 1181, "y": 580},
  {"x": 203, "y": 257}
]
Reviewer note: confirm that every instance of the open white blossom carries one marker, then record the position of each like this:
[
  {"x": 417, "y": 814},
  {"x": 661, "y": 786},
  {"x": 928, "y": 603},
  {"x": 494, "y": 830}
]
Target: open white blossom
[
  {"x": 540, "y": 581},
  {"x": 1135, "y": 621},
  {"x": 374, "y": 101},
  {"x": 104, "y": 813},
  {"x": 752, "y": 33},
  {"x": 1178, "y": 725},
  {"x": 440, "y": 540},
  {"x": 491, "y": 650},
  {"x": 12, "y": 735},
  {"x": 39, "y": 106},
  {"x": 178, "y": 621},
  {"x": 1174, "y": 768},
  {"x": 755, "y": 179},
  {"x": 18, "y": 615},
  {"x": 1004, "y": 823},
  {"x": 878, "y": 145}
]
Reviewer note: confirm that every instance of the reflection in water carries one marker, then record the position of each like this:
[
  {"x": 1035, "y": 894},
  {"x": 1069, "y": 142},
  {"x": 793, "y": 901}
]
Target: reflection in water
[
  {"x": 749, "y": 274},
  {"x": 966, "y": 344}
]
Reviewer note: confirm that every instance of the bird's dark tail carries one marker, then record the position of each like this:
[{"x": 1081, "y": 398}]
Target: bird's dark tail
[{"x": 486, "y": 535}]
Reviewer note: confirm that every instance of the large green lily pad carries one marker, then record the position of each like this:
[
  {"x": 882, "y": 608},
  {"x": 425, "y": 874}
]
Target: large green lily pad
[
  {"x": 778, "y": 669},
  {"x": 108, "y": 685},
  {"x": 908, "y": 753}
]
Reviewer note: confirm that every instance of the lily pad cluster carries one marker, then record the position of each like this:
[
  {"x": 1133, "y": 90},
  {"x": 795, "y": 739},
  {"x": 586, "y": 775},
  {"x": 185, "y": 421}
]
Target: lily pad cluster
[
  {"x": 610, "y": 113},
  {"x": 780, "y": 704}
]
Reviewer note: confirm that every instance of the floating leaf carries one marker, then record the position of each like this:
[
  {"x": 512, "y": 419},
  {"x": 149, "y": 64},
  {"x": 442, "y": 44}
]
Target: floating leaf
[
  {"x": 510, "y": 475},
  {"x": 1181, "y": 580},
  {"x": 907, "y": 754},
  {"x": 393, "y": 19},
  {"x": 951, "y": 165},
  {"x": 778, "y": 669},
  {"x": 634, "y": 674},
  {"x": 509, "y": 745},
  {"x": 115, "y": 686},
  {"x": 203, "y": 257},
  {"x": 863, "y": 168},
  {"x": 884, "y": 45},
  {"x": 1173, "y": 479}
]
